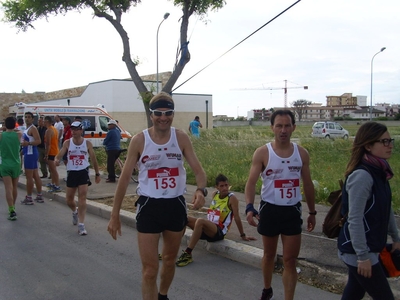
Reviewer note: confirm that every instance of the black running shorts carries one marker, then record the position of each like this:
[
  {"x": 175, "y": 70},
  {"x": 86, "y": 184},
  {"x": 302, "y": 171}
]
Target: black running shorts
[
  {"x": 157, "y": 215},
  {"x": 77, "y": 178},
  {"x": 217, "y": 237},
  {"x": 275, "y": 219}
]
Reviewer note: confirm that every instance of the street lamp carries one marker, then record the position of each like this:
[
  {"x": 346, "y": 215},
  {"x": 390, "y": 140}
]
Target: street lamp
[
  {"x": 166, "y": 15},
  {"x": 372, "y": 61}
]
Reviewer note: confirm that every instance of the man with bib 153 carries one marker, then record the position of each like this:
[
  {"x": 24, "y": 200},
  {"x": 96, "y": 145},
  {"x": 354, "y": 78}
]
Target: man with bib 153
[
  {"x": 281, "y": 165},
  {"x": 161, "y": 208}
]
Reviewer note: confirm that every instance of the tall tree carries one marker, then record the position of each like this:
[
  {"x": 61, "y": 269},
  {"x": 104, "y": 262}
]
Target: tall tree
[
  {"x": 300, "y": 107},
  {"x": 25, "y": 12}
]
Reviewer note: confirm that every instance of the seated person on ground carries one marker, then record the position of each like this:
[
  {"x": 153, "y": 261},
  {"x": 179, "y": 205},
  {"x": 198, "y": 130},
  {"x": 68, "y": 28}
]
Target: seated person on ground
[{"x": 223, "y": 209}]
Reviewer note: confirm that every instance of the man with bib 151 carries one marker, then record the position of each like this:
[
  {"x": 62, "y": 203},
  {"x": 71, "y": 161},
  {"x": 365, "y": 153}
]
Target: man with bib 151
[
  {"x": 161, "y": 208},
  {"x": 281, "y": 165}
]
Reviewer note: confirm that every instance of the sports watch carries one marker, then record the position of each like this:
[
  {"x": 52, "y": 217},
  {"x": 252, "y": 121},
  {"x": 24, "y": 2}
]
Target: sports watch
[{"x": 204, "y": 190}]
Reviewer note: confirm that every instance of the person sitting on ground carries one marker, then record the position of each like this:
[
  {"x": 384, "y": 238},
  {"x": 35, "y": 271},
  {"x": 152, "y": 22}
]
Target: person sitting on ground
[{"x": 223, "y": 209}]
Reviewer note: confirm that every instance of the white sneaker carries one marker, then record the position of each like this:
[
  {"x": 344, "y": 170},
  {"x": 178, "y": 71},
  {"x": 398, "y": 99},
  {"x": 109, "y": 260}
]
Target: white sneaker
[{"x": 81, "y": 229}]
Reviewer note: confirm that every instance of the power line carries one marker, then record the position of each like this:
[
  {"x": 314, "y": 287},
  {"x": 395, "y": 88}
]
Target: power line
[{"x": 278, "y": 15}]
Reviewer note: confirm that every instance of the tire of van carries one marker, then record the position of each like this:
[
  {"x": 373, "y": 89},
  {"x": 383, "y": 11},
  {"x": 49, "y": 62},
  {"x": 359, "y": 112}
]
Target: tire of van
[
  {"x": 345, "y": 137},
  {"x": 327, "y": 136}
]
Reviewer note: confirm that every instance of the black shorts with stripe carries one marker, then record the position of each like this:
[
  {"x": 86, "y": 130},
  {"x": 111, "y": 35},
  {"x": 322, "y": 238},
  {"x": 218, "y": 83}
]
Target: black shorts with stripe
[
  {"x": 276, "y": 219},
  {"x": 155, "y": 215},
  {"x": 77, "y": 178}
]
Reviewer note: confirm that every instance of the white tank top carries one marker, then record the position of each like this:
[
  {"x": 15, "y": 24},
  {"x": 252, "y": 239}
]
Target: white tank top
[
  {"x": 78, "y": 156},
  {"x": 161, "y": 171},
  {"x": 281, "y": 178}
]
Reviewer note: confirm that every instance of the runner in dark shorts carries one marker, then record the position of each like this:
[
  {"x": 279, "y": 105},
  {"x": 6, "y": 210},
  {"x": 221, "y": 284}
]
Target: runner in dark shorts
[
  {"x": 275, "y": 219},
  {"x": 156, "y": 215},
  {"x": 77, "y": 178}
]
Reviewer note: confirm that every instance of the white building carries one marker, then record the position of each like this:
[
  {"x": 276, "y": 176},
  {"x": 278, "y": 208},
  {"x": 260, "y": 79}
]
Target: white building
[{"x": 122, "y": 101}]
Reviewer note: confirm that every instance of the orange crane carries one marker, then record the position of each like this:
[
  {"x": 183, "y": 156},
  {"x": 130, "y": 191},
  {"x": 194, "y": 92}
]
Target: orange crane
[{"x": 285, "y": 88}]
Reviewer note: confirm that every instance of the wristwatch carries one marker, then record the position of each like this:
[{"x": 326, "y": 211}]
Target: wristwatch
[
  {"x": 97, "y": 174},
  {"x": 204, "y": 191},
  {"x": 312, "y": 213}
]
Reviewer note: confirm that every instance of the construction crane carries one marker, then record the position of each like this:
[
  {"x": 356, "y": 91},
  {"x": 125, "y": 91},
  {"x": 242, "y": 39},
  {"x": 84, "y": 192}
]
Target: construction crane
[{"x": 285, "y": 88}]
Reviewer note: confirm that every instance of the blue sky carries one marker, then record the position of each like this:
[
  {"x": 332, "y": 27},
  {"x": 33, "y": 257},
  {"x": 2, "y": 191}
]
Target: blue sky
[{"x": 324, "y": 44}]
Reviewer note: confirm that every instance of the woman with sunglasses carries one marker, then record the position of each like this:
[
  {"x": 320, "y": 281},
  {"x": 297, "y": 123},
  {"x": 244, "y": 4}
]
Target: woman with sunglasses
[
  {"x": 367, "y": 201},
  {"x": 161, "y": 208}
]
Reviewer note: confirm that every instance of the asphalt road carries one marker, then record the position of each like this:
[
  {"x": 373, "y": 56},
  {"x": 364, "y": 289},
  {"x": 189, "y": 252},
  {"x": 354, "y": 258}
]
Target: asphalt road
[{"x": 43, "y": 257}]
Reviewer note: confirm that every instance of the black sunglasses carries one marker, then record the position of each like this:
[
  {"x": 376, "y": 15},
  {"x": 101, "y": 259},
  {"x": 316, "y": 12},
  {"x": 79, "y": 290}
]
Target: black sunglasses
[
  {"x": 386, "y": 142},
  {"x": 159, "y": 113}
]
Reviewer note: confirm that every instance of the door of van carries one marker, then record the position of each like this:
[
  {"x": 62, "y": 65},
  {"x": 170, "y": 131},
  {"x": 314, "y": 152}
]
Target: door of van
[{"x": 91, "y": 129}]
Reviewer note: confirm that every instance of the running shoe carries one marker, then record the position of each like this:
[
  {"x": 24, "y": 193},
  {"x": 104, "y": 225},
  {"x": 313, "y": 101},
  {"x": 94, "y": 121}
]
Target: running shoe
[
  {"x": 267, "y": 294},
  {"x": 184, "y": 259},
  {"x": 55, "y": 189},
  {"x": 75, "y": 217},
  {"x": 12, "y": 216},
  {"x": 81, "y": 229},
  {"x": 39, "y": 199},
  {"x": 49, "y": 185},
  {"x": 27, "y": 201}
]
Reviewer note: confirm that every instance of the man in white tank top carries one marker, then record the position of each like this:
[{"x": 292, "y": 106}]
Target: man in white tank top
[
  {"x": 78, "y": 150},
  {"x": 281, "y": 165},
  {"x": 161, "y": 208}
]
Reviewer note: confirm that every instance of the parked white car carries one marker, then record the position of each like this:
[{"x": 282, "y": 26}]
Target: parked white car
[{"x": 329, "y": 130}]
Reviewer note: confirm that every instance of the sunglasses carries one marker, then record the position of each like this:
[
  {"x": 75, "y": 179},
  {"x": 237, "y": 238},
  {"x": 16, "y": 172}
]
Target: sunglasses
[
  {"x": 386, "y": 142},
  {"x": 76, "y": 128},
  {"x": 159, "y": 113}
]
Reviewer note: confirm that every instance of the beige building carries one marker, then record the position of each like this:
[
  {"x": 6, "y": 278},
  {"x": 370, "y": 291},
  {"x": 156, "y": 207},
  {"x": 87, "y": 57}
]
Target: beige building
[{"x": 345, "y": 100}]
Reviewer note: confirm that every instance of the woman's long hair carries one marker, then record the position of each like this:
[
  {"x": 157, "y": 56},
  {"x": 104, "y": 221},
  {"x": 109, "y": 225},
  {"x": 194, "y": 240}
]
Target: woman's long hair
[{"x": 367, "y": 134}]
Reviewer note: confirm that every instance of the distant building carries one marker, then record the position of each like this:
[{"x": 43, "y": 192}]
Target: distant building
[
  {"x": 345, "y": 100},
  {"x": 361, "y": 100},
  {"x": 344, "y": 106},
  {"x": 222, "y": 118}
]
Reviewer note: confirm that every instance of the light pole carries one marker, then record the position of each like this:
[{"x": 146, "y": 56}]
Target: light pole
[
  {"x": 166, "y": 15},
  {"x": 372, "y": 64}
]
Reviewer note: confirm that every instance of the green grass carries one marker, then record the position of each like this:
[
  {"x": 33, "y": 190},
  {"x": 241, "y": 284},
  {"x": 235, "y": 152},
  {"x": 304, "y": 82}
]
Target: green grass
[{"x": 229, "y": 150}]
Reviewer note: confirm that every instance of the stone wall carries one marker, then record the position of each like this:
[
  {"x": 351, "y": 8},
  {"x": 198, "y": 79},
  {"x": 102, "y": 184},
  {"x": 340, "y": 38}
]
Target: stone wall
[{"x": 9, "y": 99}]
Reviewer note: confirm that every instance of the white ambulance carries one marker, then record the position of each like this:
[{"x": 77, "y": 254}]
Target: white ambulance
[{"x": 94, "y": 118}]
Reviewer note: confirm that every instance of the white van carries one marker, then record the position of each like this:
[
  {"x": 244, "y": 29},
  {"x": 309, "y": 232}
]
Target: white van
[
  {"x": 329, "y": 130},
  {"x": 94, "y": 118}
]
